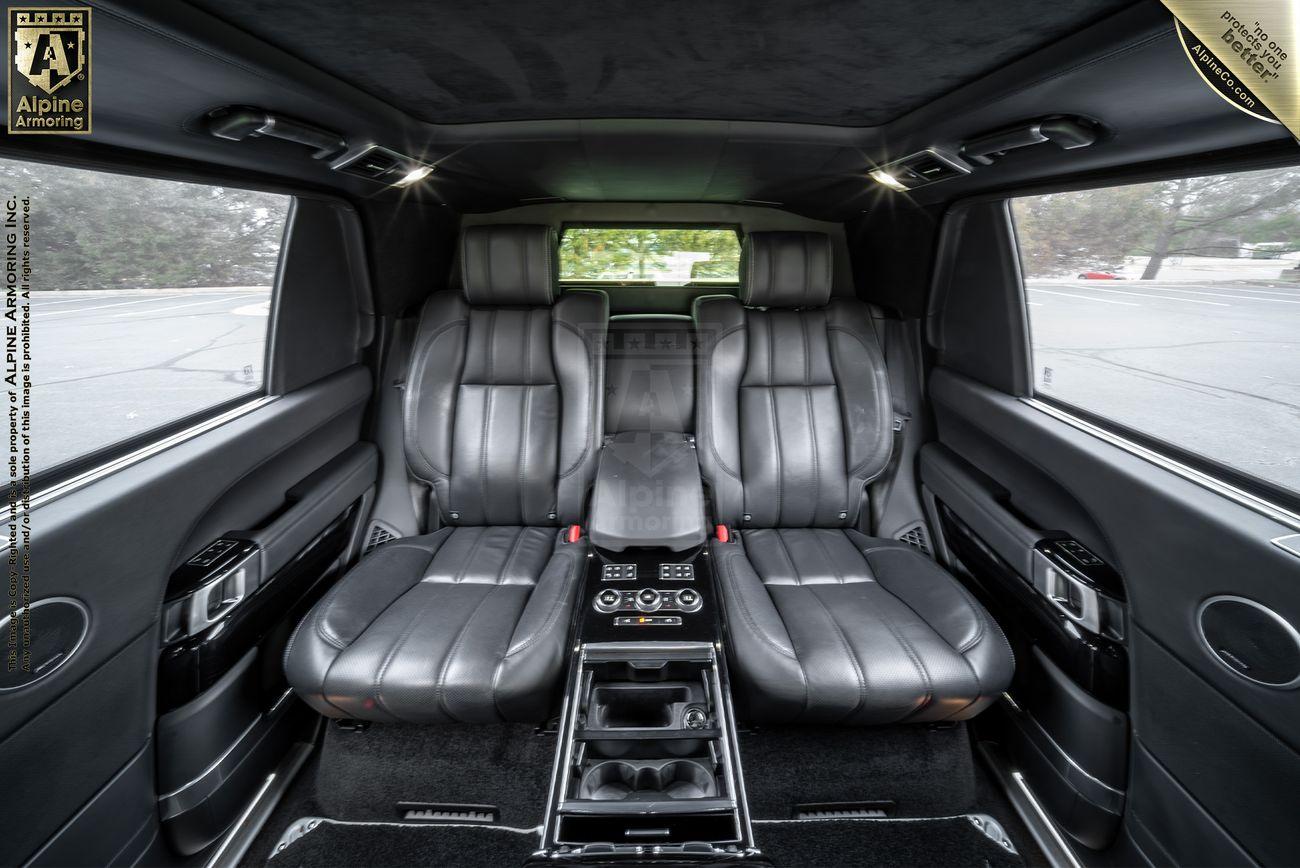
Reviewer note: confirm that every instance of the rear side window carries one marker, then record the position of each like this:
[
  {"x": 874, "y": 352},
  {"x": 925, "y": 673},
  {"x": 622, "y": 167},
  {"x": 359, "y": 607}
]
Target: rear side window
[
  {"x": 149, "y": 301},
  {"x": 1173, "y": 309},
  {"x": 678, "y": 256}
]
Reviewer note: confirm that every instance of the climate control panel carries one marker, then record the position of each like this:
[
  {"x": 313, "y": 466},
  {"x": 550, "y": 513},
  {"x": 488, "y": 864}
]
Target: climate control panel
[{"x": 611, "y": 600}]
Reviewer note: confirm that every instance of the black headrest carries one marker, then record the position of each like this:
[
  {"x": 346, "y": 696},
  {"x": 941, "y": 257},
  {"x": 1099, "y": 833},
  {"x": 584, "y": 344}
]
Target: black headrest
[
  {"x": 785, "y": 269},
  {"x": 509, "y": 265}
]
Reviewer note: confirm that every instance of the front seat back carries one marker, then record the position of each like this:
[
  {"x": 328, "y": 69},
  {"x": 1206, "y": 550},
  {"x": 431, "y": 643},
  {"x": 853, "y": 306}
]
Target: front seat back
[
  {"x": 794, "y": 413},
  {"x": 504, "y": 398}
]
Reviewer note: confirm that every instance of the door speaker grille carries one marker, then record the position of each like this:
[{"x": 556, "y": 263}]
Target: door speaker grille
[
  {"x": 379, "y": 534},
  {"x": 917, "y": 538}
]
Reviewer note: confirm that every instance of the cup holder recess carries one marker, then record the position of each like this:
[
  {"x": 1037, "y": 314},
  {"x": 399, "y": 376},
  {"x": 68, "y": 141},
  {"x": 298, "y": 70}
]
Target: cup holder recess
[{"x": 652, "y": 780}]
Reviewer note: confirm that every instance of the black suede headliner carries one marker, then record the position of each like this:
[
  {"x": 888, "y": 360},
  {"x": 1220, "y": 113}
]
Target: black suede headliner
[{"x": 846, "y": 62}]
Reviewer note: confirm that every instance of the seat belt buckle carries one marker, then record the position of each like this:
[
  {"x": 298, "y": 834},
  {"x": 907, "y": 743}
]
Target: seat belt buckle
[
  {"x": 574, "y": 533},
  {"x": 722, "y": 532}
]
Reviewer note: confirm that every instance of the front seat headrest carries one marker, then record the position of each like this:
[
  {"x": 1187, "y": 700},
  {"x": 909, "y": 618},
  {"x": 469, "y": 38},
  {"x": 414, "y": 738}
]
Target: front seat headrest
[
  {"x": 509, "y": 265},
  {"x": 785, "y": 269}
]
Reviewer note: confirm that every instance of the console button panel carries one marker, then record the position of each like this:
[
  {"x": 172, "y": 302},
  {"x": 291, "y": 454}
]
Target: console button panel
[
  {"x": 617, "y": 572},
  {"x": 611, "y": 600},
  {"x": 648, "y": 621},
  {"x": 677, "y": 572}
]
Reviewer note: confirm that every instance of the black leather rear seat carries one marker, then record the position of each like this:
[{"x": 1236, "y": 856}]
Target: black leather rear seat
[
  {"x": 794, "y": 420},
  {"x": 502, "y": 416}
]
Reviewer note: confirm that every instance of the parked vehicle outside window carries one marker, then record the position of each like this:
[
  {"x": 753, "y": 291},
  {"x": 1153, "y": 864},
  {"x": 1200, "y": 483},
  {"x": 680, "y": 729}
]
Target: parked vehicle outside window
[{"x": 1173, "y": 309}]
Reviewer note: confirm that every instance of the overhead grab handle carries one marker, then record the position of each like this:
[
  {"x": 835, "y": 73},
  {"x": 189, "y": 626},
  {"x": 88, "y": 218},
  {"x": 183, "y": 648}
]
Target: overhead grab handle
[
  {"x": 1067, "y": 133},
  {"x": 237, "y": 123}
]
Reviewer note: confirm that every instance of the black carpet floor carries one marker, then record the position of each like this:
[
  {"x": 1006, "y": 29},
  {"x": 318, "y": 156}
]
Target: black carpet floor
[
  {"x": 359, "y": 777},
  {"x": 363, "y": 775},
  {"x": 893, "y": 843},
  {"x": 340, "y": 844},
  {"x": 923, "y": 771}
]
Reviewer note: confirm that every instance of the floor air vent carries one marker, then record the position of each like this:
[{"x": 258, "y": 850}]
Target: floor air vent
[
  {"x": 917, "y": 538},
  {"x": 432, "y": 812},
  {"x": 845, "y": 811},
  {"x": 380, "y": 533}
]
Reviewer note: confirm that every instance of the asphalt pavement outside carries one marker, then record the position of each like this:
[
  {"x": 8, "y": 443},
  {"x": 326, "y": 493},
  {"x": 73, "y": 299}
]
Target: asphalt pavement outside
[
  {"x": 113, "y": 364},
  {"x": 1213, "y": 367}
]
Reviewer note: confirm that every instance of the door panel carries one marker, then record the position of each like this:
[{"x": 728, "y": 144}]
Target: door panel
[
  {"x": 112, "y": 543},
  {"x": 1207, "y": 743}
]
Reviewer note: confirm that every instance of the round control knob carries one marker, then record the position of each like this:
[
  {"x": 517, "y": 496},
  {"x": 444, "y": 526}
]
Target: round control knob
[
  {"x": 695, "y": 718},
  {"x": 688, "y": 600},
  {"x": 607, "y": 600},
  {"x": 647, "y": 599}
]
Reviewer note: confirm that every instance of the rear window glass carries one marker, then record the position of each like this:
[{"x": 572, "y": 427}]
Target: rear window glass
[
  {"x": 1173, "y": 309},
  {"x": 648, "y": 255}
]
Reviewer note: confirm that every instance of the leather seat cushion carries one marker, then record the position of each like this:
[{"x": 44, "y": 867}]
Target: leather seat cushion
[
  {"x": 466, "y": 624},
  {"x": 829, "y": 625}
]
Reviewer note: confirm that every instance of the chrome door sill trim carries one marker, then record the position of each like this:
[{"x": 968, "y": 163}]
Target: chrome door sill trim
[
  {"x": 131, "y": 458},
  {"x": 235, "y": 843},
  {"x": 1243, "y": 498},
  {"x": 1059, "y": 852}
]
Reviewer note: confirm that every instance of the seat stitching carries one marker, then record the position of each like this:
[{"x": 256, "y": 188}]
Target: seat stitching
[
  {"x": 469, "y": 559},
  {"x": 377, "y": 685},
  {"x": 591, "y": 400},
  {"x": 739, "y": 600},
  {"x": 916, "y": 661},
  {"x": 812, "y": 419},
  {"x": 440, "y": 686},
  {"x": 504, "y": 569},
  {"x": 560, "y": 600},
  {"x": 707, "y": 362},
  {"x": 319, "y": 618},
  {"x": 776, "y": 431},
  {"x": 974, "y": 608},
  {"x": 859, "y": 674},
  {"x": 525, "y": 425},
  {"x": 877, "y": 357},
  {"x": 417, "y": 363},
  {"x": 785, "y": 550},
  {"x": 821, "y": 544},
  {"x": 804, "y": 290}
]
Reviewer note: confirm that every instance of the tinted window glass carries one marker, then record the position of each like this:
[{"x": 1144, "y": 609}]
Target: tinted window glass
[
  {"x": 149, "y": 301},
  {"x": 1173, "y": 308},
  {"x": 676, "y": 256}
]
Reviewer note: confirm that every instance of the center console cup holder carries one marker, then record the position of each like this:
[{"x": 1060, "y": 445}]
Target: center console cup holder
[{"x": 649, "y": 780}]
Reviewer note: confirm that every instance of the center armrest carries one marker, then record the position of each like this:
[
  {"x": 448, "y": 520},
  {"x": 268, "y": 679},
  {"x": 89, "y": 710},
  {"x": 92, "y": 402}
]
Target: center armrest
[{"x": 648, "y": 493}]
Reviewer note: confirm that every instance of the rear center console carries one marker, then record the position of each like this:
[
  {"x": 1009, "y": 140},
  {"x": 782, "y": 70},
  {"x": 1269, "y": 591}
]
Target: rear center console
[{"x": 647, "y": 765}]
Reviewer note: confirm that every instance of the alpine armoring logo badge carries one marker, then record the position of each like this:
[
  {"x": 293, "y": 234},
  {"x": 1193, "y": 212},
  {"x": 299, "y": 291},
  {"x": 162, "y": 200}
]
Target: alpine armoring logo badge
[{"x": 49, "y": 76}]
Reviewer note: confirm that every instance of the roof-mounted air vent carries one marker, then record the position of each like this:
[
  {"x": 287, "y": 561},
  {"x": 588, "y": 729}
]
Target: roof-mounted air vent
[{"x": 924, "y": 167}]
